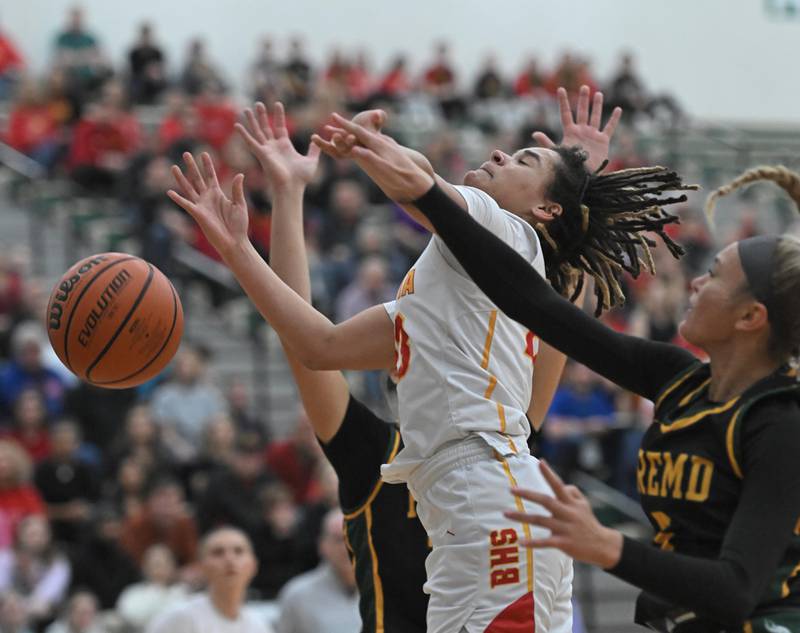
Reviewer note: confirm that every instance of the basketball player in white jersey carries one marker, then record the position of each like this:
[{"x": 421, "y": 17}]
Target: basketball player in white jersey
[{"x": 465, "y": 389}]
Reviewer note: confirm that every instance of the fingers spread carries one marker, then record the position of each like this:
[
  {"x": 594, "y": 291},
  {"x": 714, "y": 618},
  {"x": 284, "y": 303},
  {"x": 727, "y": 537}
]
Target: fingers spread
[
  {"x": 612, "y": 122},
  {"x": 183, "y": 183},
  {"x": 237, "y": 190},
  {"x": 193, "y": 173},
  {"x": 279, "y": 120},
  {"x": 254, "y": 127},
  {"x": 555, "y": 482},
  {"x": 564, "y": 108},
  {"x": 582, "y": 115},
  {"x": 364, "y": 136},
  {"x": 182, "y": 202},
  {"x": 543, "y": 140},
  {"x": 208, "y": 170},
  {"x": 597, "y": 110}
]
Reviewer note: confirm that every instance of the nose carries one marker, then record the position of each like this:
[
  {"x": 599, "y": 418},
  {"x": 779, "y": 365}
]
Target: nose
[
  {"x": 499, "y": 157},
  {"x": 697, "y": 283}
]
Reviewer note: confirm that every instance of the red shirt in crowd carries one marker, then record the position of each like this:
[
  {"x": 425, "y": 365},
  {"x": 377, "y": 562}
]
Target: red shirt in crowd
[
  {"x": 15, "y": 504},
  {"x": 294, "y": 469},
  {"x": 30, "y": 126},
  {"x": 216, "y": 121},
  {"x": 97, "y": 139},
  {"x": 36, "y": 444},
  {"x": 10, "y": 58},
  {"x": 140, "y": 532}
]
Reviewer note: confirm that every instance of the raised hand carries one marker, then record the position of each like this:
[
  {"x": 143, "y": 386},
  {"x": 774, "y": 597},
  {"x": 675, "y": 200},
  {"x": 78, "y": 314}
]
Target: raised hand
[
  {"x": 269, "y": 141},
  {"x": 573, "y": 527},
  {"x": 584, "y": 129},
  {"x": 223, "y": 220},
  {"x": 386, "y": 162},
  {"x": 341, "y": 143}
]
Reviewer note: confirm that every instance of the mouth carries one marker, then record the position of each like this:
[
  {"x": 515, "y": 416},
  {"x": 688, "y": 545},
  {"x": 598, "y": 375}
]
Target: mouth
[{"x": 485, "y": 167}]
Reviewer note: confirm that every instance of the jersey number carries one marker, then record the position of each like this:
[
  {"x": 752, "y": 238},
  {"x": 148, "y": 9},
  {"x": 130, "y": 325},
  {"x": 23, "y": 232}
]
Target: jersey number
[
  {"x": 402, "y": 350},
  {"x": 531, "y": 347}
]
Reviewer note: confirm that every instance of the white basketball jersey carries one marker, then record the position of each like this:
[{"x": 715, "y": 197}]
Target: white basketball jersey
[{"x": 463, "y": 366}]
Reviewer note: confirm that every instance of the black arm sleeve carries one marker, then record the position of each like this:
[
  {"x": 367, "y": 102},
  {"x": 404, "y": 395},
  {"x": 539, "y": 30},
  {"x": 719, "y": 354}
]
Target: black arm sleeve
[
  {"x": 521, "y": 293},
  {"x": 728, "y": 588},
  {"x": 361, "y": 445}
]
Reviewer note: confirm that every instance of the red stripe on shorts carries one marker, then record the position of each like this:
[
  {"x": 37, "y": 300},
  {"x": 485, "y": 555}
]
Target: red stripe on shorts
[{"x": 515, "y": 618}]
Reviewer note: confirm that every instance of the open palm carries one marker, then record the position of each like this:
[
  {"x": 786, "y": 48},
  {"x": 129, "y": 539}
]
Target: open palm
[
  {"x": 584, "y": 129},
  {"x": 271, "y": 145},
  {"x": 223, "y": 220}
]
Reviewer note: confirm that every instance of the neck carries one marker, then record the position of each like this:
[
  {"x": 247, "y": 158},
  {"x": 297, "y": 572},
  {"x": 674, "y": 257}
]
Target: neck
[
  {"x": 734, "y": 370},
  {"x": 227, "y": 600}
]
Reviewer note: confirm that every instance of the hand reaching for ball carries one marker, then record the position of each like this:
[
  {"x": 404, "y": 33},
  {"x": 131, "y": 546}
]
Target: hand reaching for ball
[{"x": 223, "y": 220}]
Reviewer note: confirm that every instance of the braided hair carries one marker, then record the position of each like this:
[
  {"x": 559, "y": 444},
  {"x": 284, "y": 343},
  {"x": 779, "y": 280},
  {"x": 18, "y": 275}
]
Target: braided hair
[
  {"x": 788, "y": 180},
  {"x": 600, "y": 230}
]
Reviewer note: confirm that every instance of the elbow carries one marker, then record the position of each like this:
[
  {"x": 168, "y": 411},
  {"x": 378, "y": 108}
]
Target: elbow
[
  {"x": 736, "y": 606},
  {"x": 317, "y": 357}
]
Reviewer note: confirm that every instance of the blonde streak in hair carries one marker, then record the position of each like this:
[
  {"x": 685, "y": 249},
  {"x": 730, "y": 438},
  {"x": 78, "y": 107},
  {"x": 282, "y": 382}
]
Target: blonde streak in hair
[
  {"x": 614, "y": 268},
  {"x": 648, "y": 256}
]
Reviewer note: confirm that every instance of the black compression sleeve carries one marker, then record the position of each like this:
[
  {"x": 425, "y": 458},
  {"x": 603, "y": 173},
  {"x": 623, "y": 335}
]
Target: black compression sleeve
[
  {"x": 728, "y": 588},
  {"x": 518, "y": 290},
  {"x": 357, "y": 451}
]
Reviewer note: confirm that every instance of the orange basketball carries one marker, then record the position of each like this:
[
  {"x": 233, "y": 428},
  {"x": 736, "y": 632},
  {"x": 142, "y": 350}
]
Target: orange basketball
[{"x": 114, "y": 320}]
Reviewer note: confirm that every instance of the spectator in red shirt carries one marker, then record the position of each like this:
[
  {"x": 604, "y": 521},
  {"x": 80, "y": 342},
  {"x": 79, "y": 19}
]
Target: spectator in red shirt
[
  {"x": 18, "y": 498},
  {"x": 439, "y": 81},
  {"x": 11, "y": 64},
  {"x": 294, "y": 461},
  {"x": 216, "y": 116},
  {"x": 180, "y": 123},
  {"x": 531, "y": 81},
  {"x": 32, "y": 126},
  {"x": 105, "y": 139},
  {"x": 30, "y": 425},
  {"x": 359, "y": 82},
  {"x": 396, "y": 83}
]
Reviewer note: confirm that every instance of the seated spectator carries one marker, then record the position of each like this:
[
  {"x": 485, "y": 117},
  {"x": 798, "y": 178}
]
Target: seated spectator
[
  {"x": 35, "y": 568},
  {"x": 104, "y": 141},
  {"x": 439, "y": 81},
  {"x": 490, "y": 83},
  {"x": 140, "y": 440},
  {"x": 359, "y": 83},
  {"x": 80, "y": 616},
  {"x": 29, "y": 425},
  {"x": 26, "y": 370},
  {"x": 228, "y": 564},
  {"x": 127, "y": 493},
  {"x": 199, "y": 72},
  {"x": 582, "y": 406},
  {"x": 531, "y": 82},
  {"x": 101, "y": 543},
  {"x": 293, "y": 460},
  {"x": 347, "y": 206},
  {"x": 370, "y": 287},
  {"x": 185, "y": 405},
  {"x": 99, "y": 412},
  {"x": 164, "y": 520},
  {"x": 232, "y": 496},
  {"x": 218, "y": 452},
  {"x": 278, "y": 541},
  {"x": 298, "y": 75},
  {"x": 147, "y": 72},
  {"x": 180, "y": 125},
  {"x": 331, "y": 588},
  {"x": 11, "y": 300},
  {"x": 18, "y": 498},
  {"x": 241, "y": 412},
  {"x": 396, "y": 83},
  {"x": 32, "y": 126},
  {"x": 13, "y": 614},
  {"x": 11, "y": 65},
  {"x": 68, "y": 484},
  {"x": 78, "y": 53},
  {"x": 265, "y": 75},
  {"x": 216, "y": 116},
  {"x": 157, "y": 592}
]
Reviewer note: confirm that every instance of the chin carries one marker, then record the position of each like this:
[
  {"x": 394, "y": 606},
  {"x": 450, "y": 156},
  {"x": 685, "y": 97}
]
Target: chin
[{"x": 475, "y": 178}]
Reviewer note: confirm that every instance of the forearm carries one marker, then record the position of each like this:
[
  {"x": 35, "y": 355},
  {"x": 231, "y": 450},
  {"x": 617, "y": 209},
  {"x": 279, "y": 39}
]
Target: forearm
[{"x": 324, "y": 393}]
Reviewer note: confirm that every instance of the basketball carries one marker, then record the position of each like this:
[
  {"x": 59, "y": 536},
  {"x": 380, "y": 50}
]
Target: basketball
[{"x": 114, "y": 320}]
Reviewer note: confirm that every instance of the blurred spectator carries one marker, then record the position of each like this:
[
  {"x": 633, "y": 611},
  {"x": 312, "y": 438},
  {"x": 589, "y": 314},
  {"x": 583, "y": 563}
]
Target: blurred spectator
[
  {"x": 298, "y": 74},
  {"x": 265, "y": 75},
  {"x": 13, "y": 614},
  {"x": 29, "y": 428},
  {"x": 359, "y": 82},
  {"x": 240, "y": 411},
  {"x": 26, "y": 370},
  {"x": 184, "y": 406},
  {"x": 199, "y": 72},
  {"x": 490, "y": 83},
  {"x": 68, "y": 485},
  {"x": 396, "y": 83},
  {"x": 11, "y": 65},
  {"x": 627, "y": 90},
  {"x": 147, "y": 72},
  {"x": 293, "y": 460},
  {"x": 180, "y": 123},
  {"x": 80, "y": 616},
  {"x": 141, "y": 441},
  {"x": 233, "y": 494},
  {"x": 278, "y": 541},
  {"x": 32, "y": 126},
  {"x": 571, "y": 73},
  {"x": 11, "y": 299},
  {"x": 18, "y": 498},
  {"x": 99, "y": 412},
  {"x": 78, "y": 53},
  {"x": 35, "y": 568},
  {"x": 370, "y": 287},
  {"x": 330, "y": 588},
  {"x": 218, "y": 452},
  {"x": 105, "y": 139},
  {"x": 157, "y": 592},
  {"x": 583, "y": 406},
  {"x": 216, "y": 116},
  {"x": 164, "y": 520},
  {"x": 348, "y": 205},
  {"x": 101, "y": 543},
  {"x": 531, "y": 81},
  {"x": 439, "y": 80},
  {"x": 127, "y": 492},
  {"x": 228, "y": 565}
]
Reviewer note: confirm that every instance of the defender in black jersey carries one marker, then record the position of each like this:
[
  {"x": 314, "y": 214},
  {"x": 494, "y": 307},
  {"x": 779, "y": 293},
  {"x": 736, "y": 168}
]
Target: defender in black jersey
[
  {"x": 387, "y": 542},
  {"x": 718, "y": 469}
]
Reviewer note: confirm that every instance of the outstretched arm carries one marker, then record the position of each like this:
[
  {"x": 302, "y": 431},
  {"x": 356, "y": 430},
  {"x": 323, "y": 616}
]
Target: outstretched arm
[
  {"x": 324, "y": 394},
  {"x": 363, "y": 342}
]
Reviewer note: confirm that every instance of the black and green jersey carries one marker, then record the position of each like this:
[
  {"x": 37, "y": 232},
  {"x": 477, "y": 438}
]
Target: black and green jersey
[{"x": 386, "y": 540}]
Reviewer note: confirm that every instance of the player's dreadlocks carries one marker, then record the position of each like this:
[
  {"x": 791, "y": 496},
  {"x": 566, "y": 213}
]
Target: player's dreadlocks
[
  {"x": 788, "y": 180},
  {"x": 600, "y": 230}
]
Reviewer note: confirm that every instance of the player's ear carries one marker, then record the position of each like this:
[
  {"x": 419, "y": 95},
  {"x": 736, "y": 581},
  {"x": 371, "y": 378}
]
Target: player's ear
[{"x": 546, "y": 212}]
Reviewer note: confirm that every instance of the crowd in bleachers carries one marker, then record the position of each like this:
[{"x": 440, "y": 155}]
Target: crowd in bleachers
[{"x": 104, "y": 494}]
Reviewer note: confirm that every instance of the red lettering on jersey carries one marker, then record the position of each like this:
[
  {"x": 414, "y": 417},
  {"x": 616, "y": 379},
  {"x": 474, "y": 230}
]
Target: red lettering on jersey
[
  {"x": 503, "y": 556},
  {"x": 531, "y": 346},
  {"x": 402, "y": 350},
  {"x": 407, "y": 287},
  {"x": 503, "y": 537},
  {"x": 504, "y": 577}
]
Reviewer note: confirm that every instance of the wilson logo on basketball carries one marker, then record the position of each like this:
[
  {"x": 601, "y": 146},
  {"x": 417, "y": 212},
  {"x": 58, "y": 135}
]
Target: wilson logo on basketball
[
  {"x": 66, "y": 287},
  {"x": 105, "y": 299}
]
